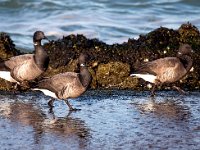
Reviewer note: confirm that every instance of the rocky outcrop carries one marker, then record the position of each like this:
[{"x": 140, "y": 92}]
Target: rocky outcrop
[
  {"x": 110, "y": 65},
  {"x": 7, "y": 50}
]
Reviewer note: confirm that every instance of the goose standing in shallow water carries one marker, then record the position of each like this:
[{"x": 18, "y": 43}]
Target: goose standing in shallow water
[
  {"x": 27, "y": 67},
  {"x": 168, "y": 69},
  {"x": 66, "y": 85}
]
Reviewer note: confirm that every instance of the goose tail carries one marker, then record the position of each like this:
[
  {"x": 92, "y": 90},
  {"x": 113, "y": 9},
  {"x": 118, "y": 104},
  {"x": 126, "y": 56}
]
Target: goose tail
[{"x": 147, "y": 77}]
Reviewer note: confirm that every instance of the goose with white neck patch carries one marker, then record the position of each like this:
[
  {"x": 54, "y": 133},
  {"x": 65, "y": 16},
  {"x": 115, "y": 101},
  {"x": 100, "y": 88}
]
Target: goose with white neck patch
[
  {"x": 66, "y": 85},
  {"x": 168, "y": 69},
  {"x": 27, "y": 67}
]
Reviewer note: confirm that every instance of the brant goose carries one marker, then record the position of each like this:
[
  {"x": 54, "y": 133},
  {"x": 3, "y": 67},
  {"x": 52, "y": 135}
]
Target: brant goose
[
  {"x": 19, "y": 69},
  {"x": 66, "y": 85},
  {"x": 166, "y": 70}
]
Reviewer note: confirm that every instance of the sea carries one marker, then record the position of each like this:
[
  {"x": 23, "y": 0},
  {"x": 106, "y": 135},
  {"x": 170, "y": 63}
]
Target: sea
[{"x": 111, "y": 21}]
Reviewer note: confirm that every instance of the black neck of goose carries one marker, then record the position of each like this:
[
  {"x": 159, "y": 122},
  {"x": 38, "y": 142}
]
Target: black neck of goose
[
  {"x": 85, "y": 76},
  {"x": 41, "y": 57},
  {"x": 186, "y": 61}
]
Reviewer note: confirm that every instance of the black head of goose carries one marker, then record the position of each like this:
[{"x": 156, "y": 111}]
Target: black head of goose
[
  {"x": 41, "y": 58},
  {"x": 28, "y": 66},
  {"x": 168, "y": 69},
  {"x": 66, "y": 85}
]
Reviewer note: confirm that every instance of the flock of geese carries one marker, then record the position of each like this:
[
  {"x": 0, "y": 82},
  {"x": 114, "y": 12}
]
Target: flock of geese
[{"x": 27, "y": 67}]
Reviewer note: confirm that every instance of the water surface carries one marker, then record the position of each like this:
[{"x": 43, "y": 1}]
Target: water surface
[
  {"x": 108, "y": 120},
  {"x": 111, "y": 21}
]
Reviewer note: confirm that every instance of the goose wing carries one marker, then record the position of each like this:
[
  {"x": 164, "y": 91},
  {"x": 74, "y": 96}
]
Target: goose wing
[
  {"x": 158, "y": 66},
  {"x": 58, "y": 82},
  {"x": 26, "y": 71},
  {"x": 18, "y": 60}
]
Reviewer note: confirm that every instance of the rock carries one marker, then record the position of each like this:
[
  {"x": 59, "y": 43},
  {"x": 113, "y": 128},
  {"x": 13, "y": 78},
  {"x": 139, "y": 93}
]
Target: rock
[
  {"x": 7, "y": 50},
  {"x": 93, "y": 84},
  {"x": 114, "y": 75},
  {"x": 110, "y": 65},
  {"x": 191, "y": 35}
]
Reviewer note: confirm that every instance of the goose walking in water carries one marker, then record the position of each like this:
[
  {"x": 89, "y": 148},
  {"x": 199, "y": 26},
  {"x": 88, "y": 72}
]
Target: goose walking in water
[
  {"x": 27, "y": 67},
  {"x": 168, "y": 69},
  {"x": 66, "y": 85}
]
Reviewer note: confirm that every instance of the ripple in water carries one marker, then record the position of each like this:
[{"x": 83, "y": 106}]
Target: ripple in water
[
  {"x": 108, "y": 120},
  {"x": 110, "y": 21}
]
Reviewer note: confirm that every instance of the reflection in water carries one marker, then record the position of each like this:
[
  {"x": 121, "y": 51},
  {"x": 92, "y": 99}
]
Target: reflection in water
[
  {"x": 27, "y": 114},
  {"x": 167, "y": 107},
  {"x": 108, "y": 120}
]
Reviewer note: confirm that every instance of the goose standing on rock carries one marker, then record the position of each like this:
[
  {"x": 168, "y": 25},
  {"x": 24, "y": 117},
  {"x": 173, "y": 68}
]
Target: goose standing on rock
[
  {"x": 27, "y": 67},
  {"x": 168, "y": 69},
  {"x": 66, "y": 85}
]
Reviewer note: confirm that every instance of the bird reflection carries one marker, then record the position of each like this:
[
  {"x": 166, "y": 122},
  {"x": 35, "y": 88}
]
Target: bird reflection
[
  {"x": 29, "y": 115},
  {"x": 167, "y": 107}
]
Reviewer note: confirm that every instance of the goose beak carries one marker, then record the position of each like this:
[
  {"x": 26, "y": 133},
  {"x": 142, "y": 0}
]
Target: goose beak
[{"x": 46, "y": 38}]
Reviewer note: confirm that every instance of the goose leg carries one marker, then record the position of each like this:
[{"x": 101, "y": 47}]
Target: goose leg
[
  {"x": 50, "y": 103},
  {"x": 15, "y": 88},
  {"x": 70, "y": 106},
  {"x": 153, "y": 90},
  {"x": 157, "y": 82},
  {"x": 179, "y": 90}
]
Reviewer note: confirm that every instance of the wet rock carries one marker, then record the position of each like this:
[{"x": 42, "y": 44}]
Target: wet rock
[
  {"x": 114, "y": 74},
  {"x": 93, "y": 84},
  {"x": 110, "y": 65},
  {"x": 7, "y": 50},
  {"x": 7, "y": 47},
  {"x": 191, "y": 35}
]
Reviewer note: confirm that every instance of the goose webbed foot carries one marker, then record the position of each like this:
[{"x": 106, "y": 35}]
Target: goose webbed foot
[
  {"x": 179, "y": 90},
  {"x": 153, "y": 91},
  {"x": 70, "y": 106},
  {"x": 74, "y": 109},
  {"x": 152, "y": 94},
  {"x": 157, "y": 83}
]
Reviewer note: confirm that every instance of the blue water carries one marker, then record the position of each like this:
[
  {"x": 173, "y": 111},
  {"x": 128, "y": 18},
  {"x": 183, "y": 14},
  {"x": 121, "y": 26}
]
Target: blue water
[
  {"x": 110, "y": 21},
  {"x": 108, "y": 120}
]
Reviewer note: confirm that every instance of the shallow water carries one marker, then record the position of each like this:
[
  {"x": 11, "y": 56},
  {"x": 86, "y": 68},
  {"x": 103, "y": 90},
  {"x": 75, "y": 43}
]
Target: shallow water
[
  {"x": 108, "y": 120},
  {"x": 110, "y": 21}
]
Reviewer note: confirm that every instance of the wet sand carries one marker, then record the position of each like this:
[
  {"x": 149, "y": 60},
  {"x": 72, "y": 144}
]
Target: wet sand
[{"x": 107, "y": 120}]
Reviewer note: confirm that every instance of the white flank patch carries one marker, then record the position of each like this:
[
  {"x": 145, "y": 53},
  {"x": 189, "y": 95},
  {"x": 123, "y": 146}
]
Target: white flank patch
[
  {"x": 46, "y": 92},
  {"x": 6, "y": 76},
  {"x": 147, "y": 77}
]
